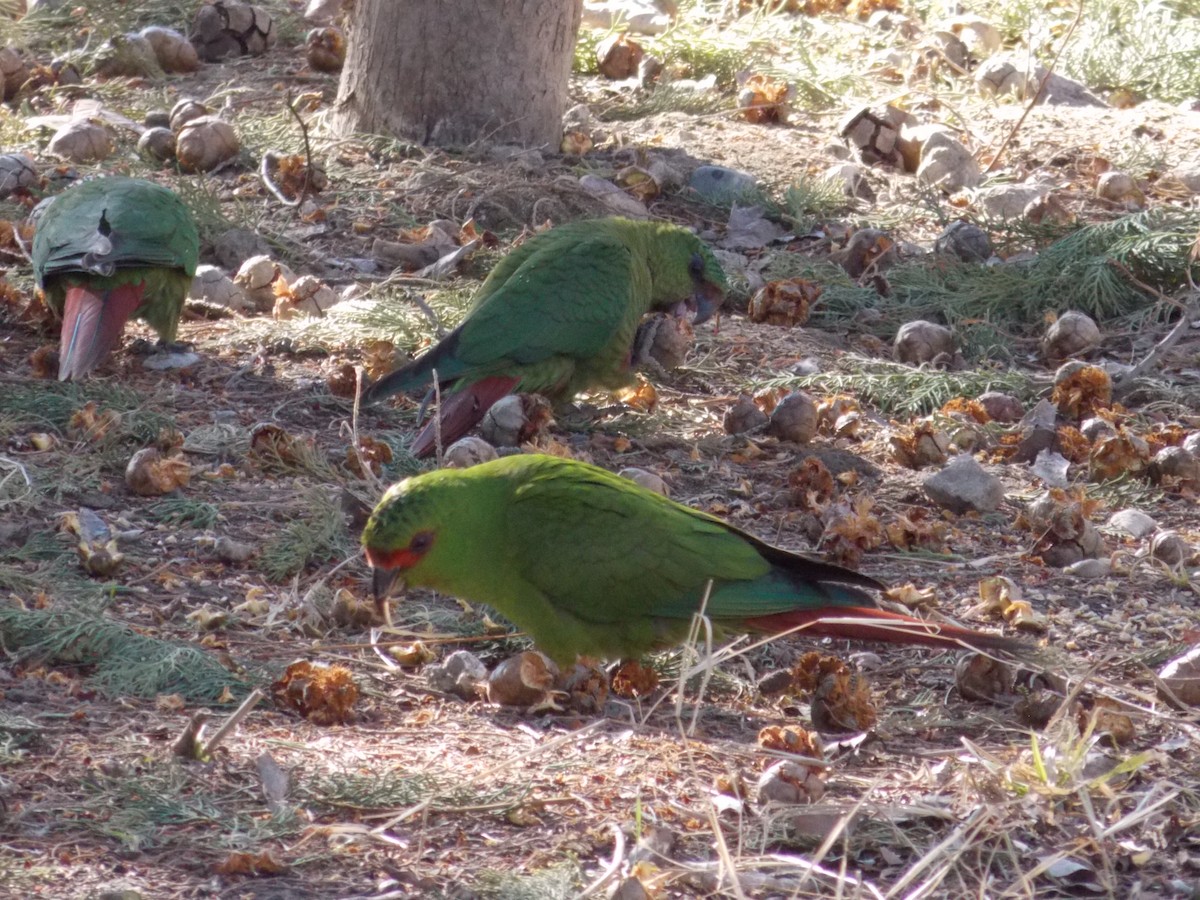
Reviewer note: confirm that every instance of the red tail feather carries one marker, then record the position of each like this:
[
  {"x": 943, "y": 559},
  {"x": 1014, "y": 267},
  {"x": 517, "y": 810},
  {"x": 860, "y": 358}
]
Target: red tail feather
[
  {"x": 869, "y": 624},
  {"x": 92, "y": 326},
  {"x": 461, "y": 411}
]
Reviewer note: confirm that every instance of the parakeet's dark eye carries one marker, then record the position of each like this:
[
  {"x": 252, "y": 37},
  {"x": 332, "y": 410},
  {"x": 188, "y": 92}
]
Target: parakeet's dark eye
[
  {"x": 697, "y": 265},
  {"x": 421, "y": 541}
]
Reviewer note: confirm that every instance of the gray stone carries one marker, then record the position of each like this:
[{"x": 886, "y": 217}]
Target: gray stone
[
  {"x": 719, "y": 184},
  {"x": 1132, "y": 522},
  {"x": 963, "y": 485}
]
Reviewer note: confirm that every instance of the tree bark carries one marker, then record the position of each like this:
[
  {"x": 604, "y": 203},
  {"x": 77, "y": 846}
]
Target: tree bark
[{"x": 453, "y": 72}]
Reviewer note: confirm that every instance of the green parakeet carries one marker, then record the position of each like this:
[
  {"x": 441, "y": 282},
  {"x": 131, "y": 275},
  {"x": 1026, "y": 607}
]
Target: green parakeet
[
  {"x": 109, "y": 249},
  {"x": 589, "y": 563},
  {"x": 558, "y": 315}
]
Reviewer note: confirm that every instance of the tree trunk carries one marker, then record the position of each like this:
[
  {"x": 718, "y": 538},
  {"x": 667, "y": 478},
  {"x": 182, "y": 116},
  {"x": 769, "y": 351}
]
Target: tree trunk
[{"x": 452, "y": 72}]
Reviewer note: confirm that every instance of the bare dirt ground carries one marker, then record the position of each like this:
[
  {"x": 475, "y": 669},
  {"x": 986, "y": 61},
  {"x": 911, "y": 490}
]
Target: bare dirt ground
[{"x": 422, "y": 794}]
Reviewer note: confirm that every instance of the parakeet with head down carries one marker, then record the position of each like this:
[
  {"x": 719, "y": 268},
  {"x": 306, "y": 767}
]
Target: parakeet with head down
[
  {"x": 591, "y": 564},
  {"x": 558, "y": 315},
  {"x": 107, "y": 250}
]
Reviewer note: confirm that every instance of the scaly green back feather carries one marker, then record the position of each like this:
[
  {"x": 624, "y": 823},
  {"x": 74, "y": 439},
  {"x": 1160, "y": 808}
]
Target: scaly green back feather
[
  {"x": 116, "y": 230},
  {"x": 588, "y": 562}
]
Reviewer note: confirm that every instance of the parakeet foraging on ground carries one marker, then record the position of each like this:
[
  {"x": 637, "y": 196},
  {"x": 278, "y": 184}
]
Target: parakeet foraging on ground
[
  {"x": 107, "y": 250},
  {"x": 589, "y": 563},
  {"x": 558, "y": 315}
]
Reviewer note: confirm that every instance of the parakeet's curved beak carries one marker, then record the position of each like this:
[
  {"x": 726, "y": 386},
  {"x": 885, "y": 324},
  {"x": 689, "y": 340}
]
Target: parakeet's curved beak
[
  {"x": 708, "y": 298},
  {"x": 382, "y": 583}
]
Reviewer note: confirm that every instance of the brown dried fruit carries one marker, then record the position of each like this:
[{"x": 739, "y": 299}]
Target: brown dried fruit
[
  {"x": 343, "y": 382},
  {"x": 811, "y": 485},
  {"x": 1071, "y": 334},
  {"x": 842, "y": 703},
  {"x": 172, "y": 50},
  {"x": 920, "y": 445},
  {"x": 1104, "y": 717},
  {"x": 851, "y": 528},
  {"x": 325, "y": 49},
  {"x": 794, "y": 418},
  {"x": 522, "y": 680},
  {"x": 186, "y": 110},
  {"x": 618, "y": 57},
  {"x": 633, "y": 680},
  {"x": 82, "y": 141},
  {"x": 323, "y": 694},
  {"x": 785, "y": 302},
  {"x": 762, "y": 99},
  {"x": 1080, "y": 390},
  {"x": 241, "y": 863},
  {"x": 380, "y": 358},
  {"x": 586, "y": 687},
  {"x": 808, "y": 671},
  {"x": 376, "y": 455},
  {"x": 1037, "y": 709},
  {"x": 791, "y": 739},
  {"x": 922, "y": 342},
  {"x": 1115, "y": 455},
  {"x": 205, "y": 143},
  {"x": 980, "y": 677},
  {"x": 150, "y": 472},
  {"x": 89, "y": 424},
  {"x": 743, "y": 416}
]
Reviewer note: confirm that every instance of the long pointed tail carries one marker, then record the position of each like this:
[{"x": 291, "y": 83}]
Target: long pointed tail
[
  {"x": 92, "y": 326},
  {"x": 418, "y": 373},
  {"x": 869, "y": 624},
  {"x": 461, "y": 411}
]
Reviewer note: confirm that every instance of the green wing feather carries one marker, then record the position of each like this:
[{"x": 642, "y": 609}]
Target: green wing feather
[
  {"x": 569, "y": 303},
  {"x": 148, "y": 225},
  {"x": 604, "y": 550}
]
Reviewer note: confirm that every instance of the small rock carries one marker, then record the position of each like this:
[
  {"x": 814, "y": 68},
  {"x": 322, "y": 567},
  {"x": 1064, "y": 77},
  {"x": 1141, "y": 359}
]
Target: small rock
[
  {"x": 852, "y": 179},
  {"x": 235, "y": 246},
  {"x": 1119, "y": 187},
  {"x": 1011, "y": 74},
  {"x": 980, "y": 37},
  {"x": 613, "y": 197},
  {"x": 1175, "y": 464},
  {"x": 213, "y": 286},
  {"x": 646, "y": 479},
  {"x": 1007, "y": 201},
  {"x": 165, "y": 360},
  {"x": 1051, "y": 467},
  {"x": 948, "y": 165},
  {"x": 921, "y": 342},
  {"x": 794, "y": 418},
  {"x": 1170, "y": 547},
  {"x": 965, "y": 241},
  {"x": 962, "y": 485},
  {"x": 1071, "y": 334},
  {"x": 469, "y": 451},
  {"x": 1132, "y": 522},
  {"x": 789, "y": 782},
  {"x": 1001, "y": 407},
  {"x": 1089, "y": 568},
  {"x": 721, "y": 185},
  {"x": 461, "y": 673},
  {"x": 743, "y": 416}
]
